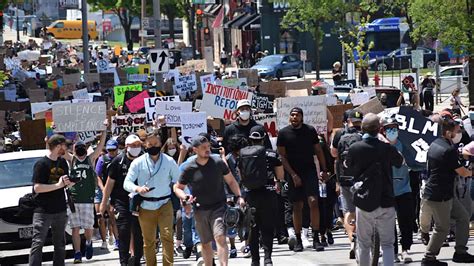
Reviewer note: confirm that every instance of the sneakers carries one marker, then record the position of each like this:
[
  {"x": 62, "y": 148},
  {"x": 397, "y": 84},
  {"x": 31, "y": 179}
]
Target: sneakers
[
  {"x": 112, "y": 240},
  {"x": 116, "y": 245},
  {"x": 246, "y": 252},
  {"x": 317, "y": 245},
  {"x": 406, "y": 257},
  {"x": 305, "y": 241},
  {"x": 352, "y": 254},
  {"x": 77, "y": 257},
  {"x": 425, "y": 238},
  {"x": 463, "y": 258},
  {"x": 298, "y": 246},
  {"x": 104, "y": 245},
  {"x": 179, "y": 249},
  {"x": 89, "y": 251},
  {"x": 396, "y": 259},
  {"x": 324, "y": 242},
  {"x": 233, "y": 253},
  {"x": 282, "y": 240},
  {"x": 255, "y": 263},
  {"x": 432, "y": 262},
  {"x": 292, "y": 242},
  {"x": 268, "y": 262},
  {"x": 187, "y": 252},
  {"x": 199, "y": 259},
  {"x": 330, "y": 238}
]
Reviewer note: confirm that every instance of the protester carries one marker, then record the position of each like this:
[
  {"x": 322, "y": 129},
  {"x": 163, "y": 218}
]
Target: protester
[
  {"x": 455, "y": 102},
  {"x": 336, "y": 72},
  {"x": 370, "y": 162},
  {"x": 427, "y": 86}
]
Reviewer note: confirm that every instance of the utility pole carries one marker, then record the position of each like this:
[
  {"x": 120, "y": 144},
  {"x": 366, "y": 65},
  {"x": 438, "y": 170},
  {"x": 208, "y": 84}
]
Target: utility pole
[
  {"x": 17, "y": 24},
  {"x": 143, "y": 11},
  {"x": 85, "y": 38},
  {"x": 157, "y": 24}
]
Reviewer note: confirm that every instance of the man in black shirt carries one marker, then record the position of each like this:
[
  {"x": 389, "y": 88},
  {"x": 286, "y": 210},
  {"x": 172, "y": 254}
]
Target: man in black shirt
[
  {"x": 297, "y": 144},
  {"x": 438, "y": 202},
  {"x": 206, "y": 176},
  {"x": 49, "y": 179},
  {"x": 127, "y": 223}
]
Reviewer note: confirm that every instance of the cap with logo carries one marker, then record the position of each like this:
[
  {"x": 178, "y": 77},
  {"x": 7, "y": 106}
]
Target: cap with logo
[
  {"x": 355, "y": 116},
  {"x": 111, "y": 145},
  {"x": 257, "y": 132},
  {"x": 132, "y": 139}
]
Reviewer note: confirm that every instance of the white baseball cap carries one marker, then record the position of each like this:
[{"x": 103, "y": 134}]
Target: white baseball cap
[
  {"x": 243, "y": 103},
  {"x": 132, "y": 139}
]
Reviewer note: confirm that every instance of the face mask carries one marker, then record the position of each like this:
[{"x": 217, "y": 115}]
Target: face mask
[
  {"x": 81, "y": 151},
  {"x": 244, "y": 115},
  {"x": 392, "y": 134},
  {"x": 153, "y": 151},
  {"x": 171, "y": 152},
  {"x": 457, "y": 138},
  {"x": 134, "y": 151}
]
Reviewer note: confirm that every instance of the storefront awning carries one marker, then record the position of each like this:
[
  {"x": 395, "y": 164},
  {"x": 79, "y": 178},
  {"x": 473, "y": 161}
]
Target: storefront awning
[
  {"x": 253, "y": 24},
  {"x": 240, "y": 21},
  {"x": 229, "y": 23}
]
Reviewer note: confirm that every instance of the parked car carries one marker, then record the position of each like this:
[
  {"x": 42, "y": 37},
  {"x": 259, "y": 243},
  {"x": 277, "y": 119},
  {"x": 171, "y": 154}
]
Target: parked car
[
  {"x": 401, "y": 59},
  {"x": 279, "y": 66},
  {"x": 452, "y": 77}
]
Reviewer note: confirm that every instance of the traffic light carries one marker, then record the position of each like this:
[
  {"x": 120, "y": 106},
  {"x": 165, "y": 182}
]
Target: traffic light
[{"x": 199, "y": 23}]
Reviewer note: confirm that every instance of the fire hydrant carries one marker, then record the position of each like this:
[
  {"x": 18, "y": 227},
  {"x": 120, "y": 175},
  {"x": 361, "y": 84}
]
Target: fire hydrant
[{"x": 377, "y": 79}]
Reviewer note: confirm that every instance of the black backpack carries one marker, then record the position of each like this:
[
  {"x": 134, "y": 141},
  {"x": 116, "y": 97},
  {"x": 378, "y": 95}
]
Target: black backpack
[
  {"x": 368, "y": 189},
  {"x": 343, "y": 146},
  {"x": 253, "y": 167},
  {"x": 105, "y": 167}
]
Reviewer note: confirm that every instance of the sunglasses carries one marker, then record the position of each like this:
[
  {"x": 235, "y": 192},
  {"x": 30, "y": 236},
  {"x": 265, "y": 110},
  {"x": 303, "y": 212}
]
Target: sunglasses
[{"x": 111, "y": 150}]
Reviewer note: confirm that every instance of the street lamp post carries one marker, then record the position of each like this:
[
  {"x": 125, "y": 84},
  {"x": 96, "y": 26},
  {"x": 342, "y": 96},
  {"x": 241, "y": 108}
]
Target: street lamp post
[{"x": 17, "y": 24}]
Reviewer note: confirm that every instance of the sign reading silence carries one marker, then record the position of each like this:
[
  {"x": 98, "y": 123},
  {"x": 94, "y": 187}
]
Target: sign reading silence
[{"x": 79, "y": 117}]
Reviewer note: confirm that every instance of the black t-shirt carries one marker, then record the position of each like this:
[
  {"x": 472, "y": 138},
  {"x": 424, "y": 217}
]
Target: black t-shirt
[
  {"x": 118, "y": 170},
  {"x": 47, "y": 171},
  {"x": 237, "y": 129},
  {"x": 299, "y": 145},
  {"x": 336, "y": 78},
  {"x": 442, "y": 163},
  {"x": 207, "y": 182},
  {"x": 273, "y": 160}
]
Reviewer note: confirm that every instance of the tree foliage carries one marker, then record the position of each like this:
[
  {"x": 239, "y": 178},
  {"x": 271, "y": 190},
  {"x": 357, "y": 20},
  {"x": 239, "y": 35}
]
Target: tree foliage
[
  {"x": 356, "y": 43},
  {"x": 172, "y": 9}
]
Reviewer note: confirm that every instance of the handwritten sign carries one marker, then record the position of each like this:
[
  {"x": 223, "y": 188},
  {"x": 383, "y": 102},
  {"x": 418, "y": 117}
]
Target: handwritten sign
[
  {"x": 220, "y": 101},
  {"x": 86, "y": 136},
  {"x": 150, "y": 105},
  {"x": 79, "y": 117},
  {"x": 372, "y": 106},
  {"x": 185, "y": 85},
  {"x": 66, "y": 90},
  {"x": 192, "y": 124},
  {"x": 136, "y": 103},
  {"x": 119, "y": 92},
  {"x": 359, "y": 98},
  {"x": 130, "y": 123},
  {"x": 171, "y": 111},
  {"x": 314, "y": 110},
  {"x": 137, "y": 77},
  {"x": 44, "y": 106},
  {"x": 107, "y": 80},
  {"x": 269, "y": 121},
  {"x": 72, "y": 78},
  {"x": 205, "y": 80},
  {"x": 263, "y": 103},
  {"x": 240, "y": 83},
  {"x": 337, "y": 112},
  {"x": 80, "y": 94}
]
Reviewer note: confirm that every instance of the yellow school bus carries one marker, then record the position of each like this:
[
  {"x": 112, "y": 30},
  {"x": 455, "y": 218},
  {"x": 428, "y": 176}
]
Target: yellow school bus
[{"x": 71, "y": 29}]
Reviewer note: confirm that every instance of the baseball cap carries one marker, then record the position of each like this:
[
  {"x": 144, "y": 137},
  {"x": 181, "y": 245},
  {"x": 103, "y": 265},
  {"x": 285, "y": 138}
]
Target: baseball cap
[
  {"x": 132, "y": 139},
  {"x": 388, "y": 121},
  {"x": 111, "y": 145},
  {"x": 198, "y": 140},
  {"x": 355, "y": 116},
  {"x": 56, "y": 139},
  {"x": 80, "y": 143},
  {"x": 257, "y": 132},
  {"x": 8, "y": 141},
  {"x": 243, "y": 103},
  {"x": 297, "y": 110}
]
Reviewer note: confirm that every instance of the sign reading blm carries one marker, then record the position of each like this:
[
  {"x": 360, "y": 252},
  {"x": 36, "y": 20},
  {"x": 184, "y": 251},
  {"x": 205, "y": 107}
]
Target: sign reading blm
[{"x": 79, "y": 117}]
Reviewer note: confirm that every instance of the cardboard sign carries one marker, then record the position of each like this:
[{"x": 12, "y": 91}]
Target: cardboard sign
[
  {"x": 299, "y": 85},
  {"x": 66, "y": 90},
  {"x": 371, "y": 91},
  {"x": 18, "y": 116},
  {"x": 144, "y": 69},
  {"x": 32, "y": 133},
  {"x": 79, "y": 117},
  {"x": 314, "y": 110},
  {"x": 92, "y": 77},
  {"x": 250, "y": 74},
  {"x": 86, "y": 136},
  {"x": 122, "y": 75},
  {"x": 137, "y": 103},
  {"x": 150, "y": 105},
  {"x": 30, "y": 84},
  {"x": 297, "y": 93},
  {"x": 44, "y": 106},
  {"x": 337, "y": 112},
  {"x": 80, "y": 94},
  {"x": 130, "y": 123},
  {"x": 119, "y": 92},
  {"x": 263, "y": 103},
  {"x": 192, "y": 124},
  {"x": 359, "y": 98},
  {"x": 107, "y": 80},
  {"x": 171, "y": 111},
  {"x": 185, "y": 85},
  {"x": 240, "y": 83},
  {"x": 137, "y": 77},
  {"x": 37, "y": 96},
  {"x": 273, "y": 87},
  {"x": 372, "y": 106},
  {"x": 205, "y": 80},
  {"x": 55, "y": 84},
  {"x": 221, "y": 102},
  {"x": 72, "y": 78},
  {"x": 416, "y": 132},
  {"x": 269, "y": 121}
]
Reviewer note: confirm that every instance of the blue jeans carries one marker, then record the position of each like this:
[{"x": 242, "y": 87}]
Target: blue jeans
[
  {"x": 190, "y": 234},
  {"x": 41, "y": 224}
]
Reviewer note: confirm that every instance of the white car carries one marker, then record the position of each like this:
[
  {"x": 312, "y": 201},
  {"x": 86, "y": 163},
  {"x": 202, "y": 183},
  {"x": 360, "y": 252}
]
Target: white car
[{"x": 452, "y": 77}]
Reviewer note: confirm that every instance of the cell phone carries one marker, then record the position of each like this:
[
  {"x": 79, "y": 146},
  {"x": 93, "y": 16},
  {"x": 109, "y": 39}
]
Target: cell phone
[{"x": 150, "y": 189}]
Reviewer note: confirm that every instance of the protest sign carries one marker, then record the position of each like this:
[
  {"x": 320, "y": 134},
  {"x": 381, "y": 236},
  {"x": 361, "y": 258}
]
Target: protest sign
[
  {"x": 137, "y": 103},
  {"x": 263, "y": 103},
  {"x": 192, "y": 124},
  {"x": 150, "y": 105},
  {"x": 32, "y": 133},
  {"x": 44, "y": 106},
  {"x": 66, "y": 90},
  {"x": 171, "y": 111},
  {"x": 240, "y": 83},
  {"x": 197, "y": 104},
  {"x": 18, "y": 116},
  {"x": 30, "y": 84},
  {"x": 10, "y": 94},
  {"x": 299, "y": 85},
  {"x": 337, "y": 112},
  {"x": 144, "y": 69},
  {"x": 80, "y": 94},
  {"x": 408, "y": 82},
  {"x": 314, "y": 110},
  {"x": 37, "y": 96},
  {"x": 86, "y": 136},
  {"x": 389, "y": 112},
  {"x": 221, "y": 102},
  {"x": 331, "y": 100},
  {"x": 79, "y": 117},
  {"x": 122, "y": 75},
  {"x": 119, "y": 92},
  {"x": 137, "y": 77},
  {"x": 269, "y": 121},
  {"x": 416, "y": 133},
  {"x": 273, "y": 87},
  {"x": 72, "y": 78},
  {"x": 185, "y": 85},
  {"x": 130, "y": 123},
  {"x": 54, "y": 84},
  {"x": 372, "y": 106},
  {"x": 250, "y": 74},
  {"x": 131, "y": 70},
  {"x": 205, "y": 80},
  {"x": 371, "y": 91},
  {"x": 359, "y": 98},
  {"x": 107, "y": 80},
  {"x": 297, "y": 93}
]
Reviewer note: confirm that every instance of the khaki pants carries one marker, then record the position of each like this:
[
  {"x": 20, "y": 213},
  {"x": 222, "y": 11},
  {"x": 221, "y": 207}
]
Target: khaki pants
[{"x": 149, "y": 220}]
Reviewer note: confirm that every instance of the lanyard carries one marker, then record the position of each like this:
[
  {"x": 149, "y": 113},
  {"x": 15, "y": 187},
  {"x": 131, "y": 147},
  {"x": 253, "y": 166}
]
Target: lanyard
[{"x": 149, "y": 171}]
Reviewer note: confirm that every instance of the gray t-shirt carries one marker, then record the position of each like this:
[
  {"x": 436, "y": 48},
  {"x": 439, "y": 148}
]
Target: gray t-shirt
[{"x": 206, "y": 182}]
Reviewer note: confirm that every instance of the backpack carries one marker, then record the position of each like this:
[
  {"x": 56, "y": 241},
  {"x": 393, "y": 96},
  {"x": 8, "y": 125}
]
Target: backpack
[
  {"x": 27, "y": 205},
  {"x": 343, "y": 146},
  {"x": 368, "y": 188},
  {"x": 105, "y": 167},
  {"x": 253, "y": 167}
]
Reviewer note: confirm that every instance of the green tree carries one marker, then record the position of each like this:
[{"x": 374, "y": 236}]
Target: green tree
[
  {"x": 126, "y": 10},
  {"x": 451, "y": 22},
  {"x": 172, "y": 10},
  {"x": 308, "y": 16},
  {"x": 356, "y": 42}
]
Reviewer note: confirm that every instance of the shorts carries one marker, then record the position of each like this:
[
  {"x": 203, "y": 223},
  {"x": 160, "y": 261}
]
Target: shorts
[
  {"x": 232, "y": 232},
  {"x": 83, "y": 217},
  {"x": 224, "y": 61},
  {"x": 210, "y": 223},
  {"x": 98, "y": 196},
  {"x": 310, "y": 186},
  {"x": 347, "y": 200}
]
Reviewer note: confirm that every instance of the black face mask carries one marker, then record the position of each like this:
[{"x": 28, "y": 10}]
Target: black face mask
[
  {"x": 81, "y": 151},
  {"x": 153, "y": 151},
  {"x": 357, "y": 128}
]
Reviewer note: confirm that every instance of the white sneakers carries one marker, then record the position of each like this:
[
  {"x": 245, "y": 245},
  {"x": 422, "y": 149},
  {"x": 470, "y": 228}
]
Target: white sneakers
[
  {"x": 104, "y": 245},
  {"x": 406, "y": 257},
  {"x": 305, "y": 241}
]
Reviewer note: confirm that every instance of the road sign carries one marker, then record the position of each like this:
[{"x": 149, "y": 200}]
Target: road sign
[
  {"x": 102, "y": 65},
  {"x": 159, "y": 60},
  {"x": 417, "y": 58},
  {"x": 147, "y": 23},
  {"x": 303, "y": 55}
]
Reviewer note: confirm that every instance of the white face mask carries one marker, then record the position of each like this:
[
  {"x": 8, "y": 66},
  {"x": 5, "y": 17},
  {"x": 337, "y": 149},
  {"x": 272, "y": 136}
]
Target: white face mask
[
  {"x": 134, "y": 151},
  {"x": 171, "y": 152},
  {"x": 457, "y": 138},
  {"x": 244, "y": 115}
]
